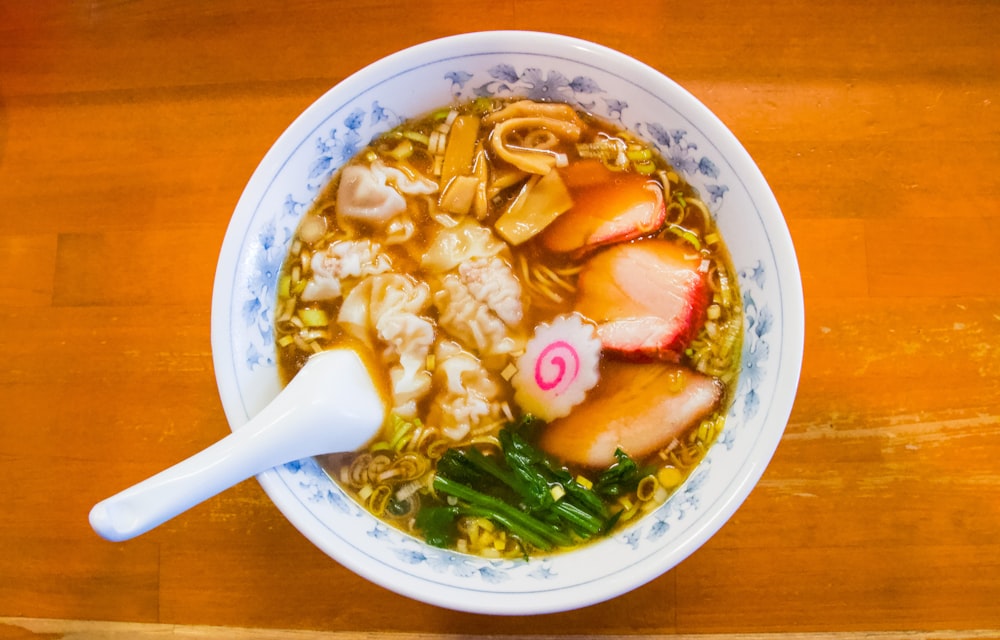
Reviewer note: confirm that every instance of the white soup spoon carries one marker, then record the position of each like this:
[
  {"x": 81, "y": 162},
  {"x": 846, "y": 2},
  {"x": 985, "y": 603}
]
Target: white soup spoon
[{"x": 331, "y": 405}]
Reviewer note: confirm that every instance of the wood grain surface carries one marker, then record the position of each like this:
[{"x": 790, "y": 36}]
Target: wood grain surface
[{"x": 128, "y": 129}]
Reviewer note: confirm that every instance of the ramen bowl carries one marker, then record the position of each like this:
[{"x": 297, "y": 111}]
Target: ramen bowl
[{"x": 610, "y": 85}]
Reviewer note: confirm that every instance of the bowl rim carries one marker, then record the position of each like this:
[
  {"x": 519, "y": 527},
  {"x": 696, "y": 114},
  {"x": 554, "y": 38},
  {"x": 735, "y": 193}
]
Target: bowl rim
[{"x": 641, "y": 75}]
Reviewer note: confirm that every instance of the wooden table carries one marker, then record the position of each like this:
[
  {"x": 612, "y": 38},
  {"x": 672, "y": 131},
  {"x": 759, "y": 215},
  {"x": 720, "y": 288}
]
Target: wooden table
[{"x": 127, "y": 133}]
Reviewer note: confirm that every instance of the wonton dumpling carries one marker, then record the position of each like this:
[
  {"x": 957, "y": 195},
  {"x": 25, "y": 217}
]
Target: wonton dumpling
[
  {"x": 480, "y": 306},
  {"x": 493, "y": 282},
  {"x": 386, "y": 312},
  {"x": 410, "y": 378},
  {"x": 374, "y": 193},
  {"x": 343, "y": 259},
  {"x": 461, "y": 243},
  {"x": 467, "y": 400}
]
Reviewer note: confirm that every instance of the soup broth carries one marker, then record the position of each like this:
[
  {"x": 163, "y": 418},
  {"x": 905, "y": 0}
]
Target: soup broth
[{"x": 544, "y": 302}]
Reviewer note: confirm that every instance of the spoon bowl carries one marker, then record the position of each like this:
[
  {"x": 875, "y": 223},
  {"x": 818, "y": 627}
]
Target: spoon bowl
[{"x": 330, "y": 406}]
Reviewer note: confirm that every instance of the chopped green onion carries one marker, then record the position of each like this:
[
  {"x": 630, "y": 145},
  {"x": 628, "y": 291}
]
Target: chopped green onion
[
  {"x": 402, "y": 150},
  {"x": 557, "y": 491},
  {"x": 401, "y": 435},
  {"x": 313, "y": 317},
  {"x": 685, "y": 234},
  {"x": 638, "y": 153},
  {"x": 416, "y": 136}
]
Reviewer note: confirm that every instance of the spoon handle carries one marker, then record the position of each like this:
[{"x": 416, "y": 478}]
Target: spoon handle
[
  {"x": 329, "y": 406},
  {"x": 155, "y": 500}
]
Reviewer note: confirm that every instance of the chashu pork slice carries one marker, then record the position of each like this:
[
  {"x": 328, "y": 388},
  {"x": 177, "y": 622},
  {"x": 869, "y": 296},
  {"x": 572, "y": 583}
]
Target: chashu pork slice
[
  {"x": 607, "y": 208},
  {"x": 648, "y": 298},
  {"x": 640, "y": 407}
]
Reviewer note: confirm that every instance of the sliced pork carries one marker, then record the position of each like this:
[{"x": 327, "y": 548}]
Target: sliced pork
[
  {"x": 647, "y": 298},
  {"x": 607, "y": 208},
  {"x": 638, "y": 407}
]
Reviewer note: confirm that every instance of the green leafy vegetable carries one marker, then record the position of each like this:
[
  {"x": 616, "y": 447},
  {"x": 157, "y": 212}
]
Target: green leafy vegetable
[
  {"x": 620, "y": 478},
  {"x": 516, "y": 521},
  {"x": 524, "y": 491},
  {"x": 528, "y": 468},
  {"x": 439, "y": 525}
]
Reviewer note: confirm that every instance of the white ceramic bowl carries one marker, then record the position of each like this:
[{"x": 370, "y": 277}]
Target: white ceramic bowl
[{"x": 609, "y": 84}]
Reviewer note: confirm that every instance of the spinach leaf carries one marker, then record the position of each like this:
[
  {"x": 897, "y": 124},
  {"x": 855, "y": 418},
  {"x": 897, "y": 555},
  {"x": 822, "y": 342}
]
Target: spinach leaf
[
  {"x": 621, "y": 477},
  {"x": 439, "y": 525}
]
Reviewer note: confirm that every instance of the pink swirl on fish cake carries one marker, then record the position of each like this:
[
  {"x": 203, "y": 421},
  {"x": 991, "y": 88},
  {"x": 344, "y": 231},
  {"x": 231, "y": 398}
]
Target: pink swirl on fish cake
[{"x": 555, "y": 355}]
